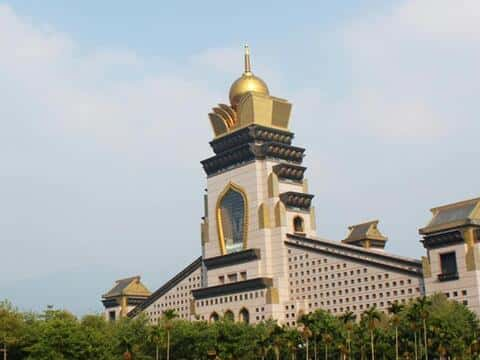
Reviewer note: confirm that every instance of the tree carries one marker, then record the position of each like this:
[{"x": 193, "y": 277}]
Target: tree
[
  {"x": 395, "y": 310},
  {"x": 306, "y": 321},
  {"x": 422, "y": 304},
  {"x": 348, "y": 319},
  {"x": 371, "y": 318},
  {"x": 168, "y": 316},
  {"x": 11, "y": 327},
  {"x": 132, "y": 336}
]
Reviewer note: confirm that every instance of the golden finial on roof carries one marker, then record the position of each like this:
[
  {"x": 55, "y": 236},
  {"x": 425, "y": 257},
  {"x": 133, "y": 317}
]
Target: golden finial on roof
[
  {"x": 247, "y": 60},
  {"x": 246, "y": 83}
]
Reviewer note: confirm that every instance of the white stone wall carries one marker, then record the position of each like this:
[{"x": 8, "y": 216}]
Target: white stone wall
[
  {"x": 464, "y": 290},
  {"x": 338, "y": 285},
  {"x": 178, "y": 298},
  {"x": 253, "y": 301}
]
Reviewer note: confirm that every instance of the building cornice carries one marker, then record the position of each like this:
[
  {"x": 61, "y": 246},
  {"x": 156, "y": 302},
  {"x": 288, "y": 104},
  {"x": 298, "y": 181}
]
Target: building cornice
[
  {"x": 233, "y": 288},
  {"x": 232, "y": 259},
  {"x": 289, "y": 171},
  {"x": 292, "y": 199},
  {"x": 374, "y": 256},
  {"x": 250, "y": 134}
]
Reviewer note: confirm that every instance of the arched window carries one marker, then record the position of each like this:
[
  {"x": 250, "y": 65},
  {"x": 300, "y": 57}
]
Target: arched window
[
  {"x": 214, "y": 317},
  {"x": 232, "y": 219},
  {"x": 229, "y": 316},
  {"x": 244, "y": 316},
  {"x": 298, "y": 224}
]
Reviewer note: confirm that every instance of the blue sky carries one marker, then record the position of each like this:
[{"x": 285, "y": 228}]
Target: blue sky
[{"x": 104, "y": 121}]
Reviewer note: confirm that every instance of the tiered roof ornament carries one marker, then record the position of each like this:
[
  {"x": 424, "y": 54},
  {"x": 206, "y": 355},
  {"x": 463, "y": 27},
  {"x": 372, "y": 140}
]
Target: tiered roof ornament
[
  {"x": 250, "y": 103},
  {"x": 366, "y": 235}
]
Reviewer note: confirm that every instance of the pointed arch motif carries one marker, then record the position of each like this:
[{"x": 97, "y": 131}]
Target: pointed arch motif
[
  {"x": 280, "y": 214},
  {"x": 232, "y": 219},
  {"x": 263, "y": 216},
  {"x": 244, "y": 316},
  {"x": 213, "y": 317},
  {"x": 229, "y": 316}
]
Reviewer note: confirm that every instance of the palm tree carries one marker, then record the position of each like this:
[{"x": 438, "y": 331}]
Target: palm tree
[
  {"x": 277, "y": 340},
  {"x": 168, "y": 316},
  {"x": 348, "y": 320},
  {"x": 412, "y": 317},
  {"x": 371, "y": 317},
  {"x": 156, "y": 338},
  {"x": 306, "y": 321},
  {"x": 395, "y": 310},
  {"x": 422, "y": 304},
  {"x": 327, "y": 339}
]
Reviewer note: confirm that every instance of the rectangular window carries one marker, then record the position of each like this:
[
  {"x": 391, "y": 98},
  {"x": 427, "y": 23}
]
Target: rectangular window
[{"x": 448, "y": 264}]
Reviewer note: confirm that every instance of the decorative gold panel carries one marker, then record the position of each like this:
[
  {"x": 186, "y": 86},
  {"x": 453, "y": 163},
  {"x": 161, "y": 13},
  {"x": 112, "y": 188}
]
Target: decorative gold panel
[
  {"x": 427, "y": 269},
  {"x": 280, "y": 214},
  {"x": 272, "y": 185},
  {"x": 220, "y": 220},
  {"x": 263, "y": 216},
  {"x": 281, "y": 113},
  {"x": 272, "y": 296},
  {"x": 218, "y": 124}
]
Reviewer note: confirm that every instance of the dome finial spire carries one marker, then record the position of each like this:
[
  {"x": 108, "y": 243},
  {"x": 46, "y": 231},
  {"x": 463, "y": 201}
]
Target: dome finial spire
[{"x": 248, "y": 69}]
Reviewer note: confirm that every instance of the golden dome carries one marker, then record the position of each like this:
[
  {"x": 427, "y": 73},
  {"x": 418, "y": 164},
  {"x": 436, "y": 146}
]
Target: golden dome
[{"x": 246, "y": 83}]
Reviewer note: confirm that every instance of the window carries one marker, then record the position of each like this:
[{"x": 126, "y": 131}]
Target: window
[
  {"x": 111, "y": 315},
  {"x": 231, "y": 216},
  {"x": 448, "y": 264},
  {"x": 214, "y": 317},
  {"x": 232, "y": 277},
  {"x": 244, "y": 316},
  {"x": 243, "y": 275},
  {"x": 298, "y": 224},
  {"x": 229, "y": 315}
]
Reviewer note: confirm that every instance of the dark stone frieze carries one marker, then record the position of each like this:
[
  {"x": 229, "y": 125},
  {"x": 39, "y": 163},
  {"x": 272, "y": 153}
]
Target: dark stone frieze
[
  {"x": 251, "y": 134},
  {"x": 443, "y": 239},
  {"x": 232, "y": 288},
  {"x": 251, "y": 151},
  {"x": 289, "y": 171},
  {"x": 296, "y": 200},
  {"x": 284, "y": 152},
  {"x": 227, "y": 159},
  {"x": 232, "y": 259},
  {"x": 110, "y": 303}
]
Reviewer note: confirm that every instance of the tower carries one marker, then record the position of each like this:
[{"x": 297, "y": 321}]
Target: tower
[
  {"x": 452, "y": 241},
  {"x": 256, "y": 195}
]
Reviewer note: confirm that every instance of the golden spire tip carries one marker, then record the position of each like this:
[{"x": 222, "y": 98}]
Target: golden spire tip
[{"x": 248, "y": 70}]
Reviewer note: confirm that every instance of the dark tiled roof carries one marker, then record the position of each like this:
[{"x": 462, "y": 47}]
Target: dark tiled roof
[
  {"x": 367, "y": 230},
  {"x": 120, "y": 286},
  {"x": 335, "y": 247},
  {"x": 454, "y": 215}
]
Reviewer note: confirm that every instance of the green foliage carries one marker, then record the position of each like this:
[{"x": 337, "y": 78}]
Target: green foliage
[{"x": 451, "y": 330}]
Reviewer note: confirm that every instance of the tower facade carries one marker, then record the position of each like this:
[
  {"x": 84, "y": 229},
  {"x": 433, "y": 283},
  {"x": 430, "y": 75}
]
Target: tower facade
[
  {"x": 256, "y": 194},
  {"x": 452, "y": 241},
  {"x": 261, "y": 258}
]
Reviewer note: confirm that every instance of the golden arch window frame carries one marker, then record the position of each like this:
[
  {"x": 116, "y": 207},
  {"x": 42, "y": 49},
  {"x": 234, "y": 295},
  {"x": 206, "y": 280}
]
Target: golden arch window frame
[{"x": 218, "y": 213}]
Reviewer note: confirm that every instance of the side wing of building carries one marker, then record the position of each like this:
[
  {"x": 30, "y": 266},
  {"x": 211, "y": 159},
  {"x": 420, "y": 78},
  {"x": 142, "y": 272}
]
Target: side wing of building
[
  {"x": 338, "y": 278},
  {"x": 175, "y": 294}
]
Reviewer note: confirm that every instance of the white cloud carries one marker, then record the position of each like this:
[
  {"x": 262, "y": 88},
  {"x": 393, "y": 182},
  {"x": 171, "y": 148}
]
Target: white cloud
[{"x": 409, "y": 68}]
